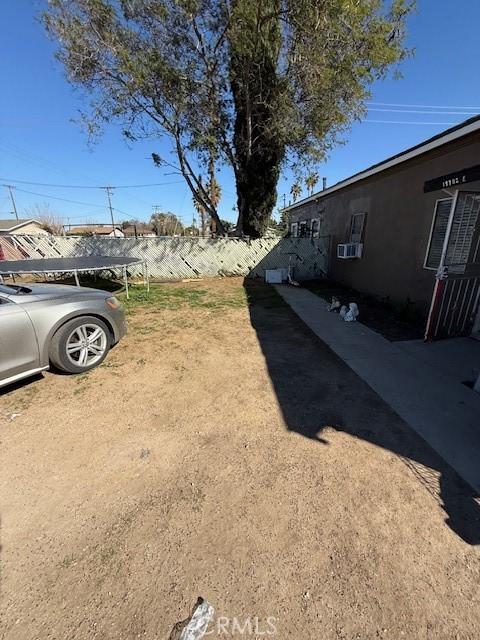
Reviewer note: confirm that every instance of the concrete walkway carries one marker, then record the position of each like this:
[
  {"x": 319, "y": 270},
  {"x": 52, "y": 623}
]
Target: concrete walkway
[
  {"x": 444, "y": 413},
  {"x": 457, "y": 358}
]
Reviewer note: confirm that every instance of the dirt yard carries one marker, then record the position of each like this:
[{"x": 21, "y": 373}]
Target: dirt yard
[{"x": 223, "y": 451}]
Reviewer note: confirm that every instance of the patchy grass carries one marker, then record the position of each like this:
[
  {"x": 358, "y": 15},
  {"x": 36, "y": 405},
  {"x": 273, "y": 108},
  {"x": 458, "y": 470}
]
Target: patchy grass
[
  {"x": 189, "y": 295},
  {"x": 68, "y": 561},
  {"x": 22, "y": 399},
  {"x": 82, "y": 377},
  {"x": 146, "y": 329},
  {"x": 107, "y": 554},
  {"x": 110, "y": 364},
  {"x": 261, "y": 295}
]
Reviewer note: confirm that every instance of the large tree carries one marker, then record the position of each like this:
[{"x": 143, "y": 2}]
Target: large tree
[
  {"x": 166, "y": 224},
  {"x": 255, "y": 84}
]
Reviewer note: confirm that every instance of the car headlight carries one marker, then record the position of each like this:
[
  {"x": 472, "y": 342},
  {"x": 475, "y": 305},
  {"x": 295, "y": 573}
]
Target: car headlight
[{"x": 113, "y": 303}]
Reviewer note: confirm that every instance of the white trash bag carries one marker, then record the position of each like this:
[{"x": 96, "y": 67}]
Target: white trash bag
[{"x": 351, "y": 314}]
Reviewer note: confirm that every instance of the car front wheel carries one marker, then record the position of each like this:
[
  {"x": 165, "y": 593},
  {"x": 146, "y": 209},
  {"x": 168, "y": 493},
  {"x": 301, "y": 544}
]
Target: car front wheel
[{"x": 80, "y": 344}]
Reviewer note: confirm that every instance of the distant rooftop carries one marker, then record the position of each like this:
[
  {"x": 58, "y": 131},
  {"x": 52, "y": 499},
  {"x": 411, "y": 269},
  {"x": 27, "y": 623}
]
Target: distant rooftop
[
  {"x": 99, "y": 229},
  {"x": 7, "y": 225}
]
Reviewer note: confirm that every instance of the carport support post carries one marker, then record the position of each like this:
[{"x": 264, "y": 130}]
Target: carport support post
[
  {"x": 75, "y": 273},
  {"x": 125, "y": 276},
  {"x": 146, "y": 281}
]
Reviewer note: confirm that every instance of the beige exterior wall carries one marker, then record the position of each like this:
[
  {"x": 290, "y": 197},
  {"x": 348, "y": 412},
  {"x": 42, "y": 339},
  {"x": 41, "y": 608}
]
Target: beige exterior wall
[
  {"x": 32, "y": 228},
  {"x": 399, "y": 218}
]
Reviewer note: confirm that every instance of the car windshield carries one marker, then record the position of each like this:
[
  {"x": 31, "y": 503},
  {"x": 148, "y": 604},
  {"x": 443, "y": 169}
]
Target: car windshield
[{"x": 8, "y": 289}]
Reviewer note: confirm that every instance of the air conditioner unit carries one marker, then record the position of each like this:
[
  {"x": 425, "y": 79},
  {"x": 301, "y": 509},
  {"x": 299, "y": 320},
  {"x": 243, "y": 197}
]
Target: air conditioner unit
[{"x": 349, "y": 250}]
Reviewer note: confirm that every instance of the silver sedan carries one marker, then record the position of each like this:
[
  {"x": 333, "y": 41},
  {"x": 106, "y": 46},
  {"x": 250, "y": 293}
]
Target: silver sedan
[{"x": 71, "y": 328}]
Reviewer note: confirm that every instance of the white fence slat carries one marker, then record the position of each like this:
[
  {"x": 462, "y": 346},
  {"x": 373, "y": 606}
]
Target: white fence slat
[{"x": 179, "y": 257}]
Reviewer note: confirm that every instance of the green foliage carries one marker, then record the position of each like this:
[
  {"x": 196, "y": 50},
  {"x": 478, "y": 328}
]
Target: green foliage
[
  {"x": 166, "y": 224},
  {"x": 214, "y": 191},
  {"x": 142, "y": 228},
  {"x": 257, "y": 85},
  {"x": 191, "y": 231},
  {"x": 255, "y": 40},
  {"x": 296, "y": 191},
  {"x": 310, "y": 181},
  {"x": 285, "y": 218},
  {"x": 227, "y": 225}
]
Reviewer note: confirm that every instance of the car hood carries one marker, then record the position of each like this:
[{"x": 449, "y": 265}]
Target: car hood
[{"x": 49, "y": 291}]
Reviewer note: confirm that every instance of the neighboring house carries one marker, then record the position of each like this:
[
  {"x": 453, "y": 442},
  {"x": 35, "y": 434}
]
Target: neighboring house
[
  {"x": 96, "y": 230},
  {"x": 21, "y": 227},
  {"x": 408, "y": 229},
  {"x": 140, "y": 230}
]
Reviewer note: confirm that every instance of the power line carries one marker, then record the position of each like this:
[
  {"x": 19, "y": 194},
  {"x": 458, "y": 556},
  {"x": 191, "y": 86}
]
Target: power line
[
  {"x": 422, "y": 106},
  {"x": 46, "y": 195},
  {"x": 409, "y": 122},
  {"x": 86, "y": 204},
  {"x": 81, "y": 217},
  {"x": 27, "y": 156},
  {"x": 458, "y": 113},
  {"x": 80, "y": 186}
]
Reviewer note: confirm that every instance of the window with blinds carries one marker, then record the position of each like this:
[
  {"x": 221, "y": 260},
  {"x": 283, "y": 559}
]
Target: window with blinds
[
  {"x": 463, "y": 228},
  {"x": 437, "y": 236}
]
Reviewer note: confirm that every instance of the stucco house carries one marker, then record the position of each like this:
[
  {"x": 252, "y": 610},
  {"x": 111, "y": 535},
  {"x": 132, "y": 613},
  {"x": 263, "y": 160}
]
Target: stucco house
[
  {"x": 408, "y": 228},
  {"x": 21, "y": 227}
]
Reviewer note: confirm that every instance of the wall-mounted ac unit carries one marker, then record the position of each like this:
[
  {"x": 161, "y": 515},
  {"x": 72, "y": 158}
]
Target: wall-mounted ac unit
[{"x": 349, "y": 250}]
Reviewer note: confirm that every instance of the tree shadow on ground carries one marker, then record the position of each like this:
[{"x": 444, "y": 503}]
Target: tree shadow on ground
[{"x": 316, "y": 389}]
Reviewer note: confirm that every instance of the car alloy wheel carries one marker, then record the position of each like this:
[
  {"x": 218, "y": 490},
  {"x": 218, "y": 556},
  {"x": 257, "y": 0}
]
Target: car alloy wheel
[{"x": 86, "y": 345}]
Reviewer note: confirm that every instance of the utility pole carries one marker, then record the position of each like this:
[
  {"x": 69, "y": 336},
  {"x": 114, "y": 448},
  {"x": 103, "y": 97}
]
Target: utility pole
[
  {"x": 12, "y": 199},
  {"x": 156, "y": 210},
  {"x": 109, "y": 193}
]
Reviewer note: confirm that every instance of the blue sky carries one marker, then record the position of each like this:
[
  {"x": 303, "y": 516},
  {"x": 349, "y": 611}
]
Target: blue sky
[{"x": 39, "y": 143}]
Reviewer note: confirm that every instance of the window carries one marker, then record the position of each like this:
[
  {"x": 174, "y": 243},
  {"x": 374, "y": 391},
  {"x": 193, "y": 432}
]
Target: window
[
  {"x": 294, "y": 229},
  {"x": 303, "y": 229},
  {"x": 437, "y": 233},
  {"x": 315, "y": 229},
  {"x": 464, "y": 223},
  {"x": 357, "y": 227}
]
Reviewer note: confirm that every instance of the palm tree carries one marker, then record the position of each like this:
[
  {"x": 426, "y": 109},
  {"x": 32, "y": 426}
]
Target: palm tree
[
  {"x": 310, "y": 182},
  {"x": 296, "y": 191},
  {"x": 214, "y": 191}
]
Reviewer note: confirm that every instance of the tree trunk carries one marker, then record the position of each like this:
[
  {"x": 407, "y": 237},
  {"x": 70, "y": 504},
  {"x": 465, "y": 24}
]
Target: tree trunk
[
  {"x": 212, "y": 183},
  {"x": 256, "y": 183}
]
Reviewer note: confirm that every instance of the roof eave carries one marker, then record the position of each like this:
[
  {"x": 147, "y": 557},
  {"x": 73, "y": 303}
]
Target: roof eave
[
  {"x": 470, "y": 126},
  {"x": 22, "y": 224}
]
